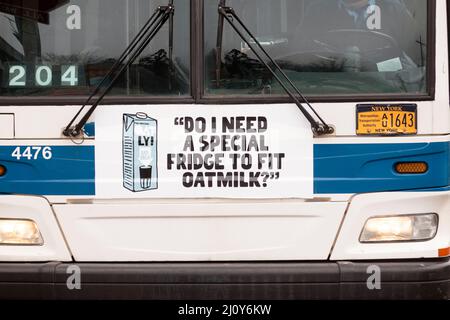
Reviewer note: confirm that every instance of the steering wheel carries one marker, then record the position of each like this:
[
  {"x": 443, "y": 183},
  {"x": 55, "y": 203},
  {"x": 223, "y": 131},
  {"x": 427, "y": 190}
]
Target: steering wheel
[
  {"x": 337, "y": 46},
  {"x": 370, "y": 43}
]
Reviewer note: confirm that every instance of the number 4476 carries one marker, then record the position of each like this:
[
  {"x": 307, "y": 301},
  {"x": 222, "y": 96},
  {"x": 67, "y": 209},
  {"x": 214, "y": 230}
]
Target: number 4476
[{"x": 32, "y": 153}]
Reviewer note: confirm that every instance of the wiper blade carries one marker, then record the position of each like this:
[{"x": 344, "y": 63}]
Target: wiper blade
[
  {"x": 219, "y": 44},
  {"x": 129, "y": 55},
  {"x": 171, "y": 47},
  {"x": 319, "y": 127}
]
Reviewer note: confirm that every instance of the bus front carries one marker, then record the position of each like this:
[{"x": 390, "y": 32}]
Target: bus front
[{"x": 205, "y": 149}]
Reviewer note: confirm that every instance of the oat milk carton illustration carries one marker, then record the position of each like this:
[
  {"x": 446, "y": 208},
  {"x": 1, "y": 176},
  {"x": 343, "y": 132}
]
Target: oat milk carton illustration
[{"x": 140, "y": 169}]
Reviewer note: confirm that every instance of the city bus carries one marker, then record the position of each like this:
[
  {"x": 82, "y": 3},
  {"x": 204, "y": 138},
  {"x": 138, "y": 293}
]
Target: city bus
[{"x": 224, "y": 149}]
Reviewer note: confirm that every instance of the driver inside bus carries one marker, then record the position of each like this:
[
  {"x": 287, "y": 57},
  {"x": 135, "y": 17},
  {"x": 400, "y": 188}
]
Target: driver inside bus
[{"x": 389, "y": 17}]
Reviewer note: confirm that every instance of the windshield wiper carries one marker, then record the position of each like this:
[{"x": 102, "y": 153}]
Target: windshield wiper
[
  {"x": 130, "y": 54},
  {"x": 319, "y": 127}
]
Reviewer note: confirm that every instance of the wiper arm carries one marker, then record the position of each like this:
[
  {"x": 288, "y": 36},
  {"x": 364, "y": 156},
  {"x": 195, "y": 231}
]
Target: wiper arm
[
  {"x": 219, "y": 44},
  {"x": 319, "y": 127},
  {"x": 171, "y": 47},
  {"x": 130, "y": 54}
]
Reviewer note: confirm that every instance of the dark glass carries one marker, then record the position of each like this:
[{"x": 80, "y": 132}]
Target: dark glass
[
  {"x": 327, "y": 47},
  {"x": 62, "y": 47}
]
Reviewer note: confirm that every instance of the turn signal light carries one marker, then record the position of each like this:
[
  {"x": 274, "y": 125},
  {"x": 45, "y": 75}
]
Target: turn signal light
[
  {"x": 411, "y": 167},
  {"x": 2, "y": 170},
  {"x": 445, "y": 252}
]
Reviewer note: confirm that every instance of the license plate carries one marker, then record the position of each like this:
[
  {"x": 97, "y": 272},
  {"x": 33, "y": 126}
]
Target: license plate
[{"x": 386, "y": 119}]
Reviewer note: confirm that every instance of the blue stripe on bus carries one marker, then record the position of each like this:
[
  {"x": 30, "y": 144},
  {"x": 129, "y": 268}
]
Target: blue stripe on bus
[
  {"x": 363, "y": 168},
  {"x": 338, "y": 169},
  {"x": 443, "y": 189},
  {"x": 70, "y": 171}
]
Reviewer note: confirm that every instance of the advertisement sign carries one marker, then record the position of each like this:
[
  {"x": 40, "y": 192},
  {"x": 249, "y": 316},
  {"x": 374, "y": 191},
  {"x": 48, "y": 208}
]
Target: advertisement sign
[{"x": 162, "y": 151}]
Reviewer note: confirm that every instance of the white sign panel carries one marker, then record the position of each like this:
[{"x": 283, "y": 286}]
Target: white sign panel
[{"x": 196, "y": 151}]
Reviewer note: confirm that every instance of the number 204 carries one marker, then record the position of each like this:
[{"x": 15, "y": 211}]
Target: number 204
[
  {"x": 43, "y": 76},
  {"x": 32, "y": 153}
]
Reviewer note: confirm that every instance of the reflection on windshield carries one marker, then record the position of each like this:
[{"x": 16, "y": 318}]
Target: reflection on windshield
[
  {"x": 326, "y": 46},
  {"x": 62, "y": 47}
]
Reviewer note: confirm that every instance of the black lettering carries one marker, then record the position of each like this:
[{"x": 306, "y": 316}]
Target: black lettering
[
  {"x": 262, "y": 124},
  {"x": 242, "y": 182},
  {"x": 227, "y": 125},
  {"x": 218, "y": 161},
  {"x": 188, "y": 124},
  {"x": 234, "y": 144},
  {"x": 253, "y": 144},
  {"x": 204, "y": 143},
  {"x": 279, "y": 157},
  {"x": 240, "y": 126},
  {"x": 224, "y": 180},
  {"x": 210, "y": 176},
  {"x": 188, "y": 180},
  {"x": 181, "y": 162},
  {"x": 188, "y": 144},
  {"x": 261, "y": 160},
  {"x": 234, "y": 157},
  {"x": 225, "y": 143},
  {"x": 197, "y": 161},
  {"x": 199, "y": 181},
  {"x": 246, "y": 161},
  {"x": 262, "y": 144},
  {"x": 143, "y": 141},
  {"x": 214, "y": 124},
  {"x": 200, "y": 125},
  {"x": 170, "y": 161},
  {"x": 254, "y": 180},
  {"x": 250, "y": 123},
  {"x": 215, "y": 142}
]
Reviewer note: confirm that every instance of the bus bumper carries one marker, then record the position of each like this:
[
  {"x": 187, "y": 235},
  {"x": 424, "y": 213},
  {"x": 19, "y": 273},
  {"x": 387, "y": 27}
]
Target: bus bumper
[{"x": 420, "y": 279}]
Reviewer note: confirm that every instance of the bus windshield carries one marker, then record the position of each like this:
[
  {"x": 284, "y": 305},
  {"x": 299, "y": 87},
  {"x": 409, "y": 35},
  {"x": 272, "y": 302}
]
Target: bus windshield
[
  {"x": 67, "y": 49},
  {"x": 326, "y": 47}
]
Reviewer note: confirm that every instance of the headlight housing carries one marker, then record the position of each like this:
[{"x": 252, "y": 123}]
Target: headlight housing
[
  {"x": 19, "y": 232},
  {"x": 402, "y": 228}
]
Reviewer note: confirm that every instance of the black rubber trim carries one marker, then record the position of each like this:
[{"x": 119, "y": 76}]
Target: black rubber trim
[
  {"x": 187, "y": 273},
  {"x": 398, "y": 271},
  {"x": 424, "y": 279}
]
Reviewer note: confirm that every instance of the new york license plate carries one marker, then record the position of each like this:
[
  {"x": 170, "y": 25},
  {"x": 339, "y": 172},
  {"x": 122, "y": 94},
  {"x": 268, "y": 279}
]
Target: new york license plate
[{"x": 398, "y": 119}]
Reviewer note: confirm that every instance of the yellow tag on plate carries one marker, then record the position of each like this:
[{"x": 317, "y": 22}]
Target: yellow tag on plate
[{"x": 386, "y": 119}]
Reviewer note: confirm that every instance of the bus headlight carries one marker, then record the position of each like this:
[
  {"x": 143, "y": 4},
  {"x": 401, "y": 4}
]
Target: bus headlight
[
  {"x": 400, "y": 228},
  {"x": 19, "y": 232}
]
